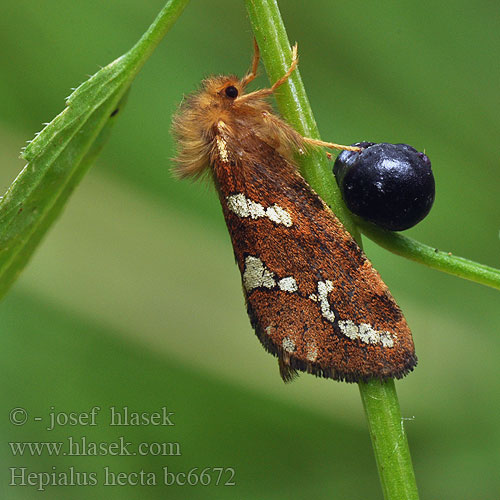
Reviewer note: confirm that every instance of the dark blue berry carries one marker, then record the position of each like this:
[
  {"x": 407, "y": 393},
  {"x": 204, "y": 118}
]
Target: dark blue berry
[{"x": 390, "y": 185}]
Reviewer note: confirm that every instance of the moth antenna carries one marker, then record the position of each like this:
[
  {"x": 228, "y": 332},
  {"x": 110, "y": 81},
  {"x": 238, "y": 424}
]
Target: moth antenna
[{"x": 252, "y": 72}]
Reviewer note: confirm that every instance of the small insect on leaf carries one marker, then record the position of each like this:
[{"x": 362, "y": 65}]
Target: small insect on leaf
[{"x": 313, "y": 297}]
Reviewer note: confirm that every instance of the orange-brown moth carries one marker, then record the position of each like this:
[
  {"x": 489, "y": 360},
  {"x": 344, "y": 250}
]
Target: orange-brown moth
[{"x": 313, "y": 297}]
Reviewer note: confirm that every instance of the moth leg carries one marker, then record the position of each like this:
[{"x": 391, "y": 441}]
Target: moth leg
[
  {"x": 308, "y": 140},
  {"x": 291, "y": 69},
  {"x": 290, "y": 138},
  {"x": 284, "y": 135},
  {"x": 330, "y": 145},
  {"x": 252, "y": 72},
  {"x": 283, "y": 130},
  {"x": 267, "y": 92}
]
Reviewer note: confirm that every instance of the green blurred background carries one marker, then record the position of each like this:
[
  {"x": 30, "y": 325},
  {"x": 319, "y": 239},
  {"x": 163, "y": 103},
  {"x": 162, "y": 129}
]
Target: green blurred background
[{"x": 134, "y": 299}]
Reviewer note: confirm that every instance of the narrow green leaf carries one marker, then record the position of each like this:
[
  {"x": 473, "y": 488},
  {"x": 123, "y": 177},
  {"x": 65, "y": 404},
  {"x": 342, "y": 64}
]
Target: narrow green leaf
[
  {"x": 21, "y": 254},
  {"x": 63, "y": 151}
]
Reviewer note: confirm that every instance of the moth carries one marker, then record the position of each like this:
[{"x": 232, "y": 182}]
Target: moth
[{"x": 313, "y": 297}]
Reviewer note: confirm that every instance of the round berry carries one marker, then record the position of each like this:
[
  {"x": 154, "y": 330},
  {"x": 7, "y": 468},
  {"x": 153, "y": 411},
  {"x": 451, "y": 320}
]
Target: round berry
[{"x": 390, "y": 185}]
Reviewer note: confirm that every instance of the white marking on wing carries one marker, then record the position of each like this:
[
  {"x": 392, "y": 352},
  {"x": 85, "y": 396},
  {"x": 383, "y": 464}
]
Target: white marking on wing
[
  {"x": 324, "y": 288},
  {"x": 245, "y": 207},
  {"x": 312, "y": 352},
  {"x": 288, "y": 284},
  {"x": 288, "y": 344},
  {"x": 222, "y": 147},
  {"x": 363, "y": 332},
  {"x": 366, "y": 333},
  {"x": 257, "y": 275}
]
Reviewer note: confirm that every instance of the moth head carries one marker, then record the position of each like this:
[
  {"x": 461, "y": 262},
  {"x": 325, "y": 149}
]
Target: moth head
[
  {"x": 194, "y": 123},
  {"x": 225, "y": 91},
  {"x": 222, "y": 91}
]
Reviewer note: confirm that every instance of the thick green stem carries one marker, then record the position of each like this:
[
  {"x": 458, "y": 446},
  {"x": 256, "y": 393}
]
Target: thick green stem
[
  {"x": 389, "y": 441},
  {"x": 293, "y": 103},
  {"x": 379, "y": 398}
]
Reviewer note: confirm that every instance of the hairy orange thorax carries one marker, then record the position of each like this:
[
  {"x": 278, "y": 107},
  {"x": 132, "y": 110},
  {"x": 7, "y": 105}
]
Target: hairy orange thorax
[{"x": 200, "y": 116}]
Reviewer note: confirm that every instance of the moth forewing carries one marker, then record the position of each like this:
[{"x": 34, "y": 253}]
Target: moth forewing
[{"x": 313, "y": 298}]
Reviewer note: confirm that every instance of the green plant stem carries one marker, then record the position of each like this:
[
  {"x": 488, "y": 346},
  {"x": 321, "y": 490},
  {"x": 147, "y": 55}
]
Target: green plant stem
[
  {"x": 379, "y": 398},
  {"x": 293, "y": 103},
  {"x": 389, "y": 440},
  {"x": 432, "y": 257}
]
